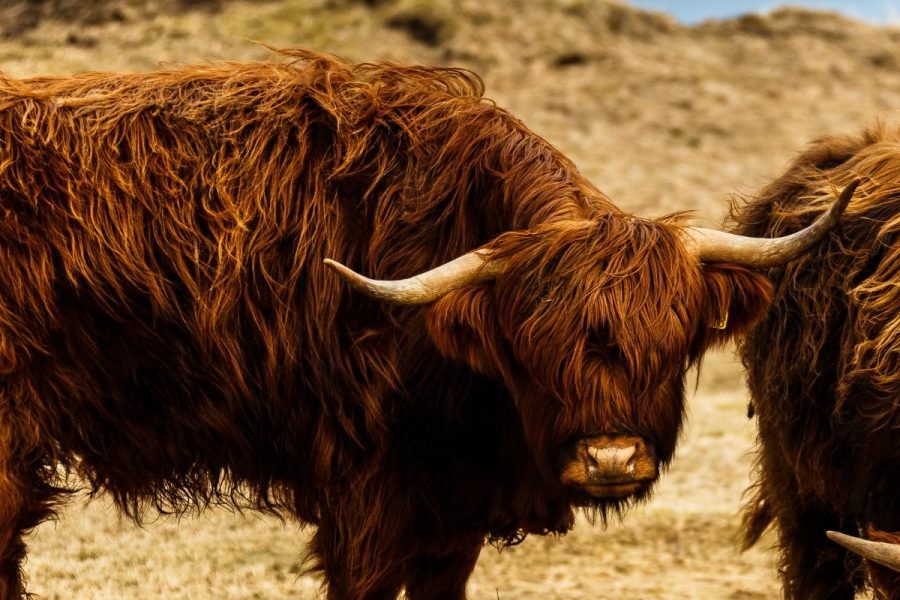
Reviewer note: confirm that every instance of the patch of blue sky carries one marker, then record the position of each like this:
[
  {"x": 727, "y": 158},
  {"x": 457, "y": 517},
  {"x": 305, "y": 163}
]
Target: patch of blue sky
[{"x": 882, "y": 12}]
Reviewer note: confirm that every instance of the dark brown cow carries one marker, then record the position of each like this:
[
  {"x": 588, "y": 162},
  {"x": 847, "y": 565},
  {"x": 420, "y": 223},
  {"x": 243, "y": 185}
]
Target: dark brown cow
[
  {"x": 824, "y": 370},
  {"x": 170, "y": 333}
]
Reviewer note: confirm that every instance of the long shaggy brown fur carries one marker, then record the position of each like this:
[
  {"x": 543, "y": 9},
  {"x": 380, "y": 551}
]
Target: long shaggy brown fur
[
  {"x": 169, "y": 333},
  {"x": 824, "y": 366}
]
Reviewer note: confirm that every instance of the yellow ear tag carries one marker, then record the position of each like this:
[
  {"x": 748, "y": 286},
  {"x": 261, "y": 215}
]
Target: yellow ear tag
[{"x": 721, "y": 323}]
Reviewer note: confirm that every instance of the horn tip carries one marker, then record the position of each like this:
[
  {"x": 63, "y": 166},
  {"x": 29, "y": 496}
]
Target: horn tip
[
  {"x": 842, "y": 539},
  {"x": 341, "y": 269},
  {"x": 846, "y": 196}
]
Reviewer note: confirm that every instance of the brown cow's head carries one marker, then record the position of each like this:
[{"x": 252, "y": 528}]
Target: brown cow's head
[{"x": 592, "y": 325}]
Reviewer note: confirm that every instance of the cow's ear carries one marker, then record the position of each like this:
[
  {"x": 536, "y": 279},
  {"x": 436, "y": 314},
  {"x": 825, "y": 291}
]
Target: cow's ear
[
  {"x": 736, "y": 299},
  {"x": 463, "y": 325}
]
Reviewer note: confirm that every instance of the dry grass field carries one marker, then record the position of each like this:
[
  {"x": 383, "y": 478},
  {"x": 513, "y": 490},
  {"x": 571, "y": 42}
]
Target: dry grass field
[{"x": 660, "y": 116}]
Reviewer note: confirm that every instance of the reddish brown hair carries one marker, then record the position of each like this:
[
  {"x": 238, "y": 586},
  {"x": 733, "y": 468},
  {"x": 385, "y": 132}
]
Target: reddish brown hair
[
  {"x": 168, "y": 330},
  {"x": 824, "y": 365}
]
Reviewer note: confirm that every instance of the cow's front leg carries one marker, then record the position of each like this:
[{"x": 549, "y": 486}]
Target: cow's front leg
[
  {"x": 443, "y": 576},
  {"x": 812, "y": 565},
  {"x": 357, "y": 563},
  {"x": 25, "y": 502}
]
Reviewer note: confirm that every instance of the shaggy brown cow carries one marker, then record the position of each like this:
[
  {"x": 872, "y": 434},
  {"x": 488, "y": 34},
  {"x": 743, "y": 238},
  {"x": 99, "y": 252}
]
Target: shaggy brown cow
[
  {"x": 170, "y": 333},
  {"x": 824, "y": 369}
]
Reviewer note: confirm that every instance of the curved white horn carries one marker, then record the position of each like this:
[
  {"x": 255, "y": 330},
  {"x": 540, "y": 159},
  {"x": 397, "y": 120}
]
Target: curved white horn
[
  {"x": 707, "y": 244},
  {"x": 711, "y": 245},
  {"x": 426, "y": 287},
  {"x": 883, "y": 553}
]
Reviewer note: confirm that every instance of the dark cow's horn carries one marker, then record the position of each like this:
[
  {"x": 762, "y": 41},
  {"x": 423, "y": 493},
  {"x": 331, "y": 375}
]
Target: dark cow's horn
[
  {"x": 426, "y": 287},
  {"x": 883, "y": 553},
  {"x": 718, "y": 246}
]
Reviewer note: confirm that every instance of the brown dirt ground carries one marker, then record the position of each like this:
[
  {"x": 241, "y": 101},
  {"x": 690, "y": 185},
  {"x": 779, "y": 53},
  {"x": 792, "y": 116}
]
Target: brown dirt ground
[{"x": 660, "y": 116}]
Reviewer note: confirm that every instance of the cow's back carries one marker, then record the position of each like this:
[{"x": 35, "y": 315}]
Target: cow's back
[{"x": 162, "y": 283}]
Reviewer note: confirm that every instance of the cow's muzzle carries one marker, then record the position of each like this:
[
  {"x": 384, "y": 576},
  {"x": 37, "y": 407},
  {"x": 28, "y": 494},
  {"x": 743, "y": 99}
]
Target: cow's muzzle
[{"x": 610, "y": 466}]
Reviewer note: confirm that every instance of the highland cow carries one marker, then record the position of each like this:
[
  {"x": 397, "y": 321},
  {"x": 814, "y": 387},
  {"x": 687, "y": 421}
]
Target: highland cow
[
  {"x": 824, "y": 373},
  {"x": 171, "y": 334}
]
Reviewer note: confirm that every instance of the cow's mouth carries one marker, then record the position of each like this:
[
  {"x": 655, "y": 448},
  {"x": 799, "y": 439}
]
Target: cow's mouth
[
  {"x": 610, "y": 466},
  {"x": 616, "y": 490}
]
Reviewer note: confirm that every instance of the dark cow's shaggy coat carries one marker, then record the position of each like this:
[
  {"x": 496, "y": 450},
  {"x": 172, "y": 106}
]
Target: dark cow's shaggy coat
[
  {"x": 824, "y": 368},
  {"x": 169, "y": 333}
]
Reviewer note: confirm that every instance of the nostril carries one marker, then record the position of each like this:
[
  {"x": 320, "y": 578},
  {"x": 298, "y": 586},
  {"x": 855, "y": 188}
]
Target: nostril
[
  {"x": 625, "y": 455},
  {"x": 603, "y": 457}
]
